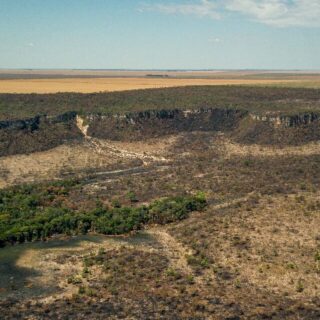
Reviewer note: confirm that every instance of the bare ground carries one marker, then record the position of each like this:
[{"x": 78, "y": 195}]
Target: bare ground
[{"x": 88, "y": 85}]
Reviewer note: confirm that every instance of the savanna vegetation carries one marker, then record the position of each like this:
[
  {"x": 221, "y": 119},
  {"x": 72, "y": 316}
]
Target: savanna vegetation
[
  {"x": 258, "y": 99},
  {"x": 253, "y": 253}
]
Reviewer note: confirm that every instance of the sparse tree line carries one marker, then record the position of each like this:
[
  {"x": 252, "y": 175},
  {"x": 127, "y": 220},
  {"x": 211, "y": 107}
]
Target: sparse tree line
[{"x": 29, "y": 213}]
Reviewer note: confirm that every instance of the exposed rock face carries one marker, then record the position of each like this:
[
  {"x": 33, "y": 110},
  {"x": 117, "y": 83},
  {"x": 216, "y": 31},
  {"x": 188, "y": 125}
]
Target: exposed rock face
[
  {"x": 288, "y": 121},
  {"x": 279, "y": 129},
  {"x": 33, "y": 123},
  {"x": 43, "y": 132},
  {"x": 139, "y": 125},
  {"x": 37, "y": 134}
]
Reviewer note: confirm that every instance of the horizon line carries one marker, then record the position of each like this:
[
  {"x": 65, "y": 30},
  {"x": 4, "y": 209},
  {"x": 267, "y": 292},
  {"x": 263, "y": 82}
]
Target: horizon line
[{"x": 156, "y": 69}]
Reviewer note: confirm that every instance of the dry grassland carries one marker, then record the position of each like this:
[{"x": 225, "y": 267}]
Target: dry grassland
[
  {"x": 89, "y": 85},
  {"x": 87, "y": 157},
  {"x": 97, "y": 155}
]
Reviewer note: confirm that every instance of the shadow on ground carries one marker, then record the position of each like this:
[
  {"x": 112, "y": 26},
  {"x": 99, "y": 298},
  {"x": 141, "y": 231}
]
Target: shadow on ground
[{"x": 14, "y": 279}]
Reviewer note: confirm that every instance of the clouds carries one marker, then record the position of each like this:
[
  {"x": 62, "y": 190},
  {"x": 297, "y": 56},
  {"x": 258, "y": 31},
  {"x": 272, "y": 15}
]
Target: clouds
[
  {"x": 214, "y": 40},
  {"x": 277, "y": 13},
  {"x": 202, "y": 8}
]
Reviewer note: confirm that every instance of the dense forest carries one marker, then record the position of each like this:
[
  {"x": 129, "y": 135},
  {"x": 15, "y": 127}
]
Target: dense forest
[{"x": 34, "y": 212}]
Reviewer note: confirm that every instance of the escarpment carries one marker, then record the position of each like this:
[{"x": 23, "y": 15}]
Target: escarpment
[
  {"x": 37, "y": 134},
  {"x": 155, "y": 123},
  {"x": 286, "y": 121},
  {"x": 278, "y": 129},
  {"x": 43, "y": 132}
]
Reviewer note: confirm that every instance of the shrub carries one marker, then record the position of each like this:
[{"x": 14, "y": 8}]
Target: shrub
[
  {"x": 173, "y": 209},
  {"x": 132, "y": 196}
]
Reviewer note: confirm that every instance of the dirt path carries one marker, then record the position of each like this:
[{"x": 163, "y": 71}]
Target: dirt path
[
  {"x": 177, "y": 253},
  {"x": 231, "y": 202},
  {"x": 48, "y": 277},
  {"x": 231, "y": 149},
  {"x": 174, "y": 250}
]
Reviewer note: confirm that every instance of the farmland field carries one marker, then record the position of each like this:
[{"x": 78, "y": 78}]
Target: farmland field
[
  {"x": 114, "y": 84},
  {"x": 86, "y": 81}
]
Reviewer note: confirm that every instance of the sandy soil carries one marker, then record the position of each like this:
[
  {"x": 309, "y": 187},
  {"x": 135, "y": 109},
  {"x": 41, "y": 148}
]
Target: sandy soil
[
  {"x": 91, "y": 155},
  {"x": 230, "y": 148},
  {"x": 98, "y": 155}
]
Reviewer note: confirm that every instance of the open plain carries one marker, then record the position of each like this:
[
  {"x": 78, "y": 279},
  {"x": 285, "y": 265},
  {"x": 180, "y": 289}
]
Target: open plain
[
  {"x": 89, "y": 85},
  {"x": 86, "y": 81}
]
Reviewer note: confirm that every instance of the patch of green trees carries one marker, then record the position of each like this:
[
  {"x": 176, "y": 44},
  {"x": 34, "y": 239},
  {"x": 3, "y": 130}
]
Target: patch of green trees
[{"x": 27, "y": 213}]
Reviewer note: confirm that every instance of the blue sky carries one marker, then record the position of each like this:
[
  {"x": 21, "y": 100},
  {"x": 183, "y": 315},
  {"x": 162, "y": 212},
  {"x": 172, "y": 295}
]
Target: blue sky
[{"x": 160, "y": 34}]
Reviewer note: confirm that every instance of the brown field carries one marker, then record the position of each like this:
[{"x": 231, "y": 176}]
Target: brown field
[
  {"x": 88, "y": 81},
  {"x": 88, "y": 85}
]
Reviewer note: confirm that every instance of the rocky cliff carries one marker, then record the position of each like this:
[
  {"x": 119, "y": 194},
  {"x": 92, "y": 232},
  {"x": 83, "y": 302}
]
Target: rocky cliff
[
  {"x": 37, "y": 133},
  {"x": 287, "y": 121},
  {"x": 140, "y": 125},
  {"x": 43, "y": 132}
]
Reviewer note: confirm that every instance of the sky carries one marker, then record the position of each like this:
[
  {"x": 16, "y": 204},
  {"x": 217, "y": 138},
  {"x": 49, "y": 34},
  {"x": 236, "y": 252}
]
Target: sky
[{"x": 160, "y": 34}]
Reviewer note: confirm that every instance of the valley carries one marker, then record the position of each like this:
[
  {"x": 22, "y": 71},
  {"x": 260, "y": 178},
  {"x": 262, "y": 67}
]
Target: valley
[{"x": 198, "y": 203}]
